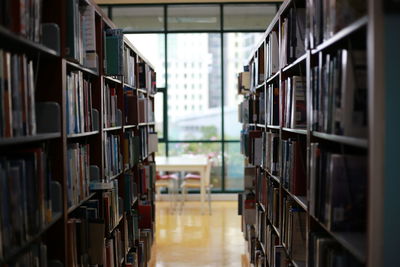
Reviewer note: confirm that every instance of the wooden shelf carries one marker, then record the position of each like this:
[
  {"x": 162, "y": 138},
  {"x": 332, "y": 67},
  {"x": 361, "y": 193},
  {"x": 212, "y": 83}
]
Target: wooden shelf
[
  {"x": 352, "y": 28},
  {"x": 260, "y": 125},
  {"x": 273, "y": 77},
  {"x": 16, "y": 43},
  {"x": 116, "y": 128},
  {"x": 142, "y": 124},
  {"x": 115, "y": 176},
  {"x": 129, "y": 86},
  {"x": 22, "y": 249},
  {"x": 71, "y": 209},
  {"x": 111, "y": 79},
  {"x": 28, "y": 139},
  {"x": 151, "y": 123},
  {"x": 116, "y": 225},
  {"x": 261, "y": 205},
  {"x": 352, "y": 141},
  {"x": 129, "y": 127},
  {"x": 258, "y": 87},
  {"x": 296, "y": 63},
  {"x": 297, "y": 131},
  {"x": 78, "y": 66},
  {"x": 78, "y": 135},
  {"x": 274, "y": 177}
]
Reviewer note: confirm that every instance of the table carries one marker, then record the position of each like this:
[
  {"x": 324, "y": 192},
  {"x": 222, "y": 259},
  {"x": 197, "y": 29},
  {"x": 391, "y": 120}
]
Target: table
[{"x": 187, "y": 163}]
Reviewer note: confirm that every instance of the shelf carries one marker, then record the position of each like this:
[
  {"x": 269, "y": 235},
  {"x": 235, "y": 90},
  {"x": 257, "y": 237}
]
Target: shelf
[
  {"x": 300, "y": 200},
  {"x": 78, "y": 135},
  {"x": 112, "y": 129},
  {"x": 260, "y": 125},
  {"x": 142, "y": 124},
  {"x": 81, "y": 68},
  {"x": 116, "y": 225},
  {"x": 134, "y": 201},
  {"x": 129, "y": 127},
  {"x": 111, "y": 79},
  {"x": 352, "y": 28},
  {"x": 128, "y": 85},
  {"x": 261, "y": 205},
  {"x": 151, "y": 123},
  {"x": 142, "y": 90},
  {"x": 71, "y": 209},
  {"x": 114, "y": 176},
  {"x": 273, "y": 77},
  {"x": 258, "y": 87},
  {"x": 276, "y": 127},
  {"x": 297, "y": 131},
  {"x": 28, "y": 139},
  {"x": 353, "y": 141},
  {"x": 274, "y": 177},
  {"x": 18, "y": 251},
  {"x": 295, "y": 63},
  {"x": 262, "y": 246},
  {"x": 354, "y": 242},
  {"x": 14, "y": 42}
]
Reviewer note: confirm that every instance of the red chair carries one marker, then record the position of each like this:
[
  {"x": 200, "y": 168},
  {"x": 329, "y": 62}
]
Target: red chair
[{"x": 169, "y": 181}]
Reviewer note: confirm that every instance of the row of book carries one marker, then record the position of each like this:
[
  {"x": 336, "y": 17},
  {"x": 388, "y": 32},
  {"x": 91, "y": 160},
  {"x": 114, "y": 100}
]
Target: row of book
[
  {"x": 273, "y": 205},
  {"x": 113, "y": 163},
  {"x": 112, "y": 115},
  {"x": 338, "y": 189},
  {"x": 272, "y": 105},
  {"x": 112, "y": 206},
  {"x": 294, "y": 166},
  {"x": 272, "y": 54},
  {"x": 79, "y": 103},
  {"x": 129, "y": 67},
  {"x": 294, "y": 103},
  {"x": 28, "y": 197},
  {"x": 339, "y": 93},
  {"x": 147, "y": 78},
  {"x": 271, "y": 152},
  {"x": 131, "y": 149},
  {"x": 23, "y": 17},
  {"x": 78, "y": 173},
  {"x": 145, "y": 110},
  {"x": 256, "y": 69},
  {"x": 292, "y": 36},
  {"x": 17, "y": 95},
  {"x": 272, "y": 240},
  {"x": 131, "y": 106},
  {"x": 81, "y": 33},
  {"x": 251, "y": 145},
  {"x": 294, "y": 230},
  {"x": 325, "y": 251},
  {"x": 325, "y": 18}
]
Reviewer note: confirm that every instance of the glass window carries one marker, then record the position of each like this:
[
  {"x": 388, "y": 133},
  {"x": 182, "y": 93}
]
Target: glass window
[
  {"x": 159, "y": 114},
  {"x": 202, "y": 148},
  {"x": 193, "y": 17},
  {"x": 139, "y": 18},
  {"x": 232, "y": 66},
  {"x": 207, "y": 122},
  {"x": 152, "y": 46},
  {"x": 234, "y": 162},
  {"x": 248, "y": 17}
]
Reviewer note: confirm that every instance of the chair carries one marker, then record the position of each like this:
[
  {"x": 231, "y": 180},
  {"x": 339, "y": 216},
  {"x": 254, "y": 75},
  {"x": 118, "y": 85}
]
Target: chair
[
  {"x": 193, "y": 180},
  {"x": 169, "y": 181}
]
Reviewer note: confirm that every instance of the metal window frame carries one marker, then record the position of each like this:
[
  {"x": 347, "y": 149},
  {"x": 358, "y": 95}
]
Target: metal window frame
[{"x": 165, "y": 138}]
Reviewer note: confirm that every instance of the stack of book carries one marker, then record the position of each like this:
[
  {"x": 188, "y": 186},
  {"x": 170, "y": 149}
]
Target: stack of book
[
  {"x": 294, "y": 103},
  {"x": 272, "y": 103},
  {"x": 338, "y": 189},
  {"x": 271, "y": 152},
  {"x": 292, "y": 36},
  {"x": 113, "y": 164},
  {"x": 131, "y": 149},
  {"x": 273, "y": 203},
  {"x": 81, "y": 34},
  {"x": 17, "y": 95},
  {"x": 111, "y": 107},
  {"x": 79, "y": 103},
  {"x": 25, "y": 196},
  {"x": 78, "y": 173},
  {"x": 131, "y": 106},
  {"x": 129, "y": 67},
  {"x": 272, "y": 54},
  {"x": 338, "y": 89},
  {"x": 112, "y": 208},
  {"x": 294, "y": 166}
]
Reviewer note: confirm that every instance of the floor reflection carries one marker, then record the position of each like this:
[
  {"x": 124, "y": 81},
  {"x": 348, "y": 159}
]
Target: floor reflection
[{"x": 192, "y": 239}]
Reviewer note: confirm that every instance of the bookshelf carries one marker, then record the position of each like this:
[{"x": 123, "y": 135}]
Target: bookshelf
[
  {"x": 306, "y": 143},
  {"x": 76, "y": 160}
]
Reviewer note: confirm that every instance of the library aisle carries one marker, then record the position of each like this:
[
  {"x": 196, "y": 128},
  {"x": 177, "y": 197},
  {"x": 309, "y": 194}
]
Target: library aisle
[{"x": 192, "y": 239}]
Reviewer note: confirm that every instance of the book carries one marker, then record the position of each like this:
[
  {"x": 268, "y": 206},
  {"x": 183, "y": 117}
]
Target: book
[
  {"x": 114, "y": 52},
  {"x": 112, "y": 156}
]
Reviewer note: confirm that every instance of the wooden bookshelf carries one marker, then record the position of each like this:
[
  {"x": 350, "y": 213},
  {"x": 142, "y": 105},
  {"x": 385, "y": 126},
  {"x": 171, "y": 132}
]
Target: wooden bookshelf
[
  {"x": 305, "y": 128},
  {"x": 67, "y": 137}
]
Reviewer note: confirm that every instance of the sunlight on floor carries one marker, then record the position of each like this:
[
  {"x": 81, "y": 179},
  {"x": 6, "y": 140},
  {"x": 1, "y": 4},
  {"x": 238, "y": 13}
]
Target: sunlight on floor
[{"x": 192, "y": 239}]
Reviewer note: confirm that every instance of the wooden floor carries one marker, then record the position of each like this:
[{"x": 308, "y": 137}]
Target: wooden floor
[{"x": 192, "y": 239}]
